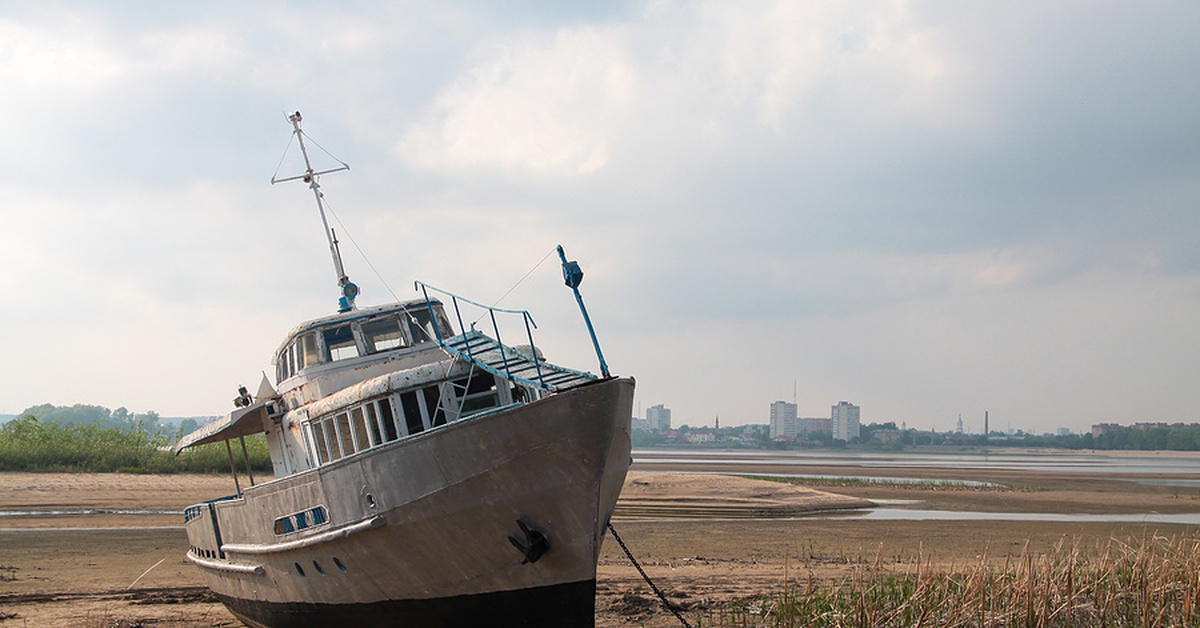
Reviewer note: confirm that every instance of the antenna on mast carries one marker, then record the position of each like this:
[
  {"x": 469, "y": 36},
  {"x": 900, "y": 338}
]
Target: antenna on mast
[{"x": 349, "y": 288}]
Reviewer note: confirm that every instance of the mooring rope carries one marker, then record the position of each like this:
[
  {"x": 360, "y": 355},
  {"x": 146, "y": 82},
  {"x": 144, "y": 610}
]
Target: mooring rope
[{"x": 665, "y": 602}]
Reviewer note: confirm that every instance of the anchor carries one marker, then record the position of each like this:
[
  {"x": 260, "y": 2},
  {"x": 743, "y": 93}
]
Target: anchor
[{"x": 535, "y": 545}]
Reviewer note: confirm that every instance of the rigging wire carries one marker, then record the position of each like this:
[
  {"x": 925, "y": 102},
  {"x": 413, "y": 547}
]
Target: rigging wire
[
  {"x": 324, "y": 150},
  {"x": 412, "y": 319},
  {"x": 370, "y": 264},
  {"x": 519, "y": 282},
  {"x": 360, "y": 251},
  {"x": 323, "y": 200},
  {"x": 524, "y": 277},
  {"x": 291, "y": 138},
  {"x": 288, "y": 148}
]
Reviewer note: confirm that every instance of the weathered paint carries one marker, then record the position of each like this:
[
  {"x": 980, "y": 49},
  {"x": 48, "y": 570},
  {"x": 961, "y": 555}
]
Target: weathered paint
[{"x": 450, "y": 497}]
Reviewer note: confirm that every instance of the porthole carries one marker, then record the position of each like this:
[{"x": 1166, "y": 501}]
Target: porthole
[
  {"x": 317, "y": 566},
  {"x": 299, "y": 569},
  {"x": 339, "y": 564}
]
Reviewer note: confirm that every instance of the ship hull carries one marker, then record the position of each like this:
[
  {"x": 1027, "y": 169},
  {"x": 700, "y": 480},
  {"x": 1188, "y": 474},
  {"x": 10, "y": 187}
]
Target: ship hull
[
  {"x": 559, "y": 606},
  {"x": 425, "y": 531}
]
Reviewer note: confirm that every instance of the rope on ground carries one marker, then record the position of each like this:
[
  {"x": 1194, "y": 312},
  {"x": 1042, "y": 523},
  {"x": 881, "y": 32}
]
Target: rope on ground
[{"x": 665, "y": 602}]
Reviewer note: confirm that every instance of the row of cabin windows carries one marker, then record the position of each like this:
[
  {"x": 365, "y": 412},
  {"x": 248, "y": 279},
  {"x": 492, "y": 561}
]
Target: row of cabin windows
[
  {"x": 410, "y": 412},
  {"x": 395, "y": 330}
]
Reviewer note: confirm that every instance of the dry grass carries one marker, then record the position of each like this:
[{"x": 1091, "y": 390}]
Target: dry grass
[{"x": 1150, "y": 582}]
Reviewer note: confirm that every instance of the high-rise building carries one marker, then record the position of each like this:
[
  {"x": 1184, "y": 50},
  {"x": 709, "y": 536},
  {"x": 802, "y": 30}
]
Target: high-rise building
[
  {"x": 658, "y": 418},
  {"x": 783, "y": 420},
  {"x": 845, "y": 421}
]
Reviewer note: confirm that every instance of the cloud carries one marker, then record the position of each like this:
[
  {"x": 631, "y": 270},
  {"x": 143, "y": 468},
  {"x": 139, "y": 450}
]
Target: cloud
[
  {"x": 789, "y": 59},
  {"x": 919, "y": 207},
  {"x": 71, "y": 54},
  {"x": 535, "y": 104}
]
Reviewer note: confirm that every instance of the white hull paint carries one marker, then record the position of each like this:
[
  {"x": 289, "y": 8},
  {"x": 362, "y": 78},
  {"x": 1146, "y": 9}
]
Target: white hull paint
[{"x": 428, "y": 517}]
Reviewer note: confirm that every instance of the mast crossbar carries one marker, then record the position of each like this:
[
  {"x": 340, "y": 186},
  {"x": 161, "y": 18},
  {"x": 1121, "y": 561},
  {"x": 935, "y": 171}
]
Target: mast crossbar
[{"x": 310, "y": 176}]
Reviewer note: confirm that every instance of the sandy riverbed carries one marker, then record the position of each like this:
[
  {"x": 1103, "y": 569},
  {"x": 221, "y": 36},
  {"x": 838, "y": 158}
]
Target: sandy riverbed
[{"x": 686, "y": 530}]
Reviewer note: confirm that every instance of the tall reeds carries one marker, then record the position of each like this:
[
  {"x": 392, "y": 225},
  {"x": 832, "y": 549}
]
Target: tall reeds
[
  {"x": 27, "y": 444},
  {"x": 1152, "y": 582}
]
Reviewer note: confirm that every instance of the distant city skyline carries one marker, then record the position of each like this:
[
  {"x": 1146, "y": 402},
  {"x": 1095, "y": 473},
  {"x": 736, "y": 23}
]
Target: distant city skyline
[{"x": 950, "y": 425}]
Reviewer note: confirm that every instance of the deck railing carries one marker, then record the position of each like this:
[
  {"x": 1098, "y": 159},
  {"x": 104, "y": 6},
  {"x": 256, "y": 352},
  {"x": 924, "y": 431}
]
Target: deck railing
[{"x": 490, "y": 312}]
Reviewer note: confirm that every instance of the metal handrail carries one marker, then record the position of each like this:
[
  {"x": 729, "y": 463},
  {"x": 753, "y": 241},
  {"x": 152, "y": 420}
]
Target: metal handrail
[{"x": 526, "y": 317}]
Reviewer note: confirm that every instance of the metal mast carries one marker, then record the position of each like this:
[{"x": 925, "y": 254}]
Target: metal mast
[
  {"x": 349, "y": 289},
  {"x": 573, "y": 276}
]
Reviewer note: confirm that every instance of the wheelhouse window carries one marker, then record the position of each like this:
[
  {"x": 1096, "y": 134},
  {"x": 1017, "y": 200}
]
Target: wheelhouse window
[
  {"x": 421, "y": 328},
  {"x": 386, "y": 332},
  {"x": 382, "y": 334},
  {"x": 339, "y": 343},
  {"x": 307, "y": 347},
  {"x": 299, "y": 353}
]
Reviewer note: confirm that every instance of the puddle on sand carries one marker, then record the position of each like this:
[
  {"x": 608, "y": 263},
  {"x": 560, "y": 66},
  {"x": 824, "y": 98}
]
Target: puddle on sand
[
  {"x": 905, "y": 514},
  {"x": 86, "y": 511}
]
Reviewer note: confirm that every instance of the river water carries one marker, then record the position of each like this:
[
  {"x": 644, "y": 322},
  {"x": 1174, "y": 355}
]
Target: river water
[{"x": 1115, "y": 464}]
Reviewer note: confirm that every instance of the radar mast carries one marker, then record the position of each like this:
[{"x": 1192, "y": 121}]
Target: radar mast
[{"x": 349, "y": 289}]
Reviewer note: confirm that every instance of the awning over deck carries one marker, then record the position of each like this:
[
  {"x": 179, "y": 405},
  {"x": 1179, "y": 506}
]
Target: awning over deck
[{"x": 240, "y": 422}]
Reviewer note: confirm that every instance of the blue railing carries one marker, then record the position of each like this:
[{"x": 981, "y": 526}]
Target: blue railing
[{"x": 491, "y": 312}]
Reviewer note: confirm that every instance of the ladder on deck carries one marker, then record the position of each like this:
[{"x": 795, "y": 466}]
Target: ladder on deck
[{"x": 503, "y": 361}]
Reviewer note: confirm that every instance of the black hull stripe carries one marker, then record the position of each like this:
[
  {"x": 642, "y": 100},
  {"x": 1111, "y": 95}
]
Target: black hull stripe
[{"x": 560, "y": 606}]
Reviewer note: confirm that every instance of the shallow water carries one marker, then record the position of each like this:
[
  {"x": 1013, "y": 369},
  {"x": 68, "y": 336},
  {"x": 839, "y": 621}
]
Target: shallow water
[
  {"x": 864, "y": 479},
  {"x": 1177, "y": 469},
  {"x": 86, "y": 511},
  {"x": 1164, "y": 463},
  {"x": 907, "y": 514}
]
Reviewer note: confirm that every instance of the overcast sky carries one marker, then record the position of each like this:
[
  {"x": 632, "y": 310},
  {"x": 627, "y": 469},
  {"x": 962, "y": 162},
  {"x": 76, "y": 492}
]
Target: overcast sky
[{"x": 924, "y": 208}]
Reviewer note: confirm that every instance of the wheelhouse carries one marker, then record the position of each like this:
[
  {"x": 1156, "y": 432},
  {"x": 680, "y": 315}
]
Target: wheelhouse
[
  {"x": 393, "y": 356},
  {"x": 362, "y": 333}
]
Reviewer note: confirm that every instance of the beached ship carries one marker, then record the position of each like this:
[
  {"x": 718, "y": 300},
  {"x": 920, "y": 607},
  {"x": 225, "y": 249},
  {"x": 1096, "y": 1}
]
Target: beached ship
[{"x": 422, "y": 477}]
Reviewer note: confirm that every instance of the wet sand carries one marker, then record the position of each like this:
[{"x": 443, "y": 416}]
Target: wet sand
[{"x": 690, "y": 533}]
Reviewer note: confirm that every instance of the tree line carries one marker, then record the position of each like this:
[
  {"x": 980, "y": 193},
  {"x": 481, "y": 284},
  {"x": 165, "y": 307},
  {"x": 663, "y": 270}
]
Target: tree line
[{"x": 887, "y": 436}]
